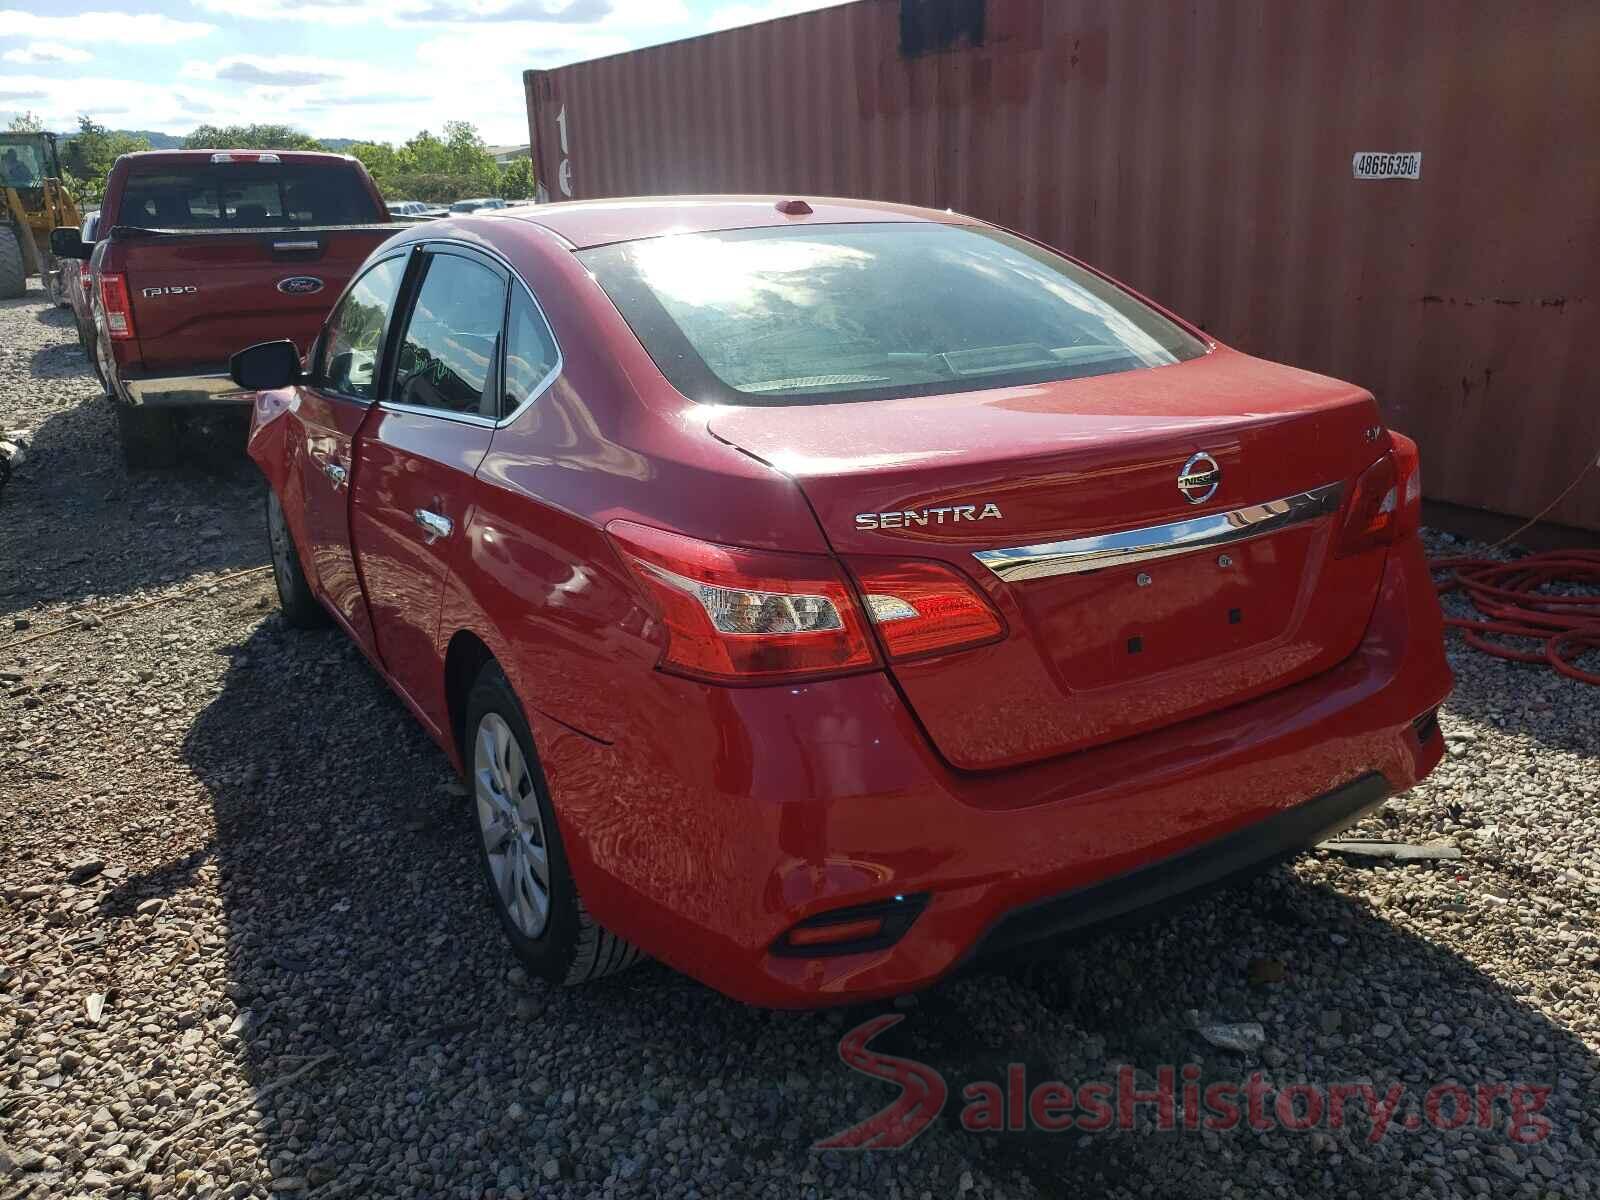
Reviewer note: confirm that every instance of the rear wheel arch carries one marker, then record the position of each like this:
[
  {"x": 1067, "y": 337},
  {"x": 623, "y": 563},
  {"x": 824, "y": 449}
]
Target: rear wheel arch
[
  {"x": 464, "y": 659},
  {"x": 571, "y": 947}
]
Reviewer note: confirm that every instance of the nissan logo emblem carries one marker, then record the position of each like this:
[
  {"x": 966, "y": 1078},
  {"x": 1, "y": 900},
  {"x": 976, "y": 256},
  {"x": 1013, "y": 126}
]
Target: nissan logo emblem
[
  {"x": 1200, "y": 478},
  {"x": 300, "y": 285}
]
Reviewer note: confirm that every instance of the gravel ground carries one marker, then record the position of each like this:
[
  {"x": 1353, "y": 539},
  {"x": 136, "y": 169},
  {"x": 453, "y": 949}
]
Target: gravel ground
[{"x": 243, "y": 949}]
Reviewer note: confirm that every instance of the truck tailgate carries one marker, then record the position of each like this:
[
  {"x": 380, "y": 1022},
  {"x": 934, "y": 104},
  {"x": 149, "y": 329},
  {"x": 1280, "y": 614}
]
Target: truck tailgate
[{"x": 198, "y": 297}]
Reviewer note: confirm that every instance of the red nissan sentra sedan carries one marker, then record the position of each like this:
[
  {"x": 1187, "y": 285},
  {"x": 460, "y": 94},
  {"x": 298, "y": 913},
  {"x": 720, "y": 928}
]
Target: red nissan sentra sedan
[{"x": 821, "y": 594}]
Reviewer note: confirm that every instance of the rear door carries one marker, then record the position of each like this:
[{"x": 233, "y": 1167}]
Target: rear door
[
  {"x": 259, "y": 251},
  {"x": 418, "y": 453},
  {"x": 327, "y": 417}
]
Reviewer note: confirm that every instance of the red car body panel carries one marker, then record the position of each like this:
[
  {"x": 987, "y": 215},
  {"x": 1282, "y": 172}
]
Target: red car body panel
[
  {"x": 1083, "y": 457},
  {"x": 710, "y": 849},
  {"x": 703, "y": 821}
]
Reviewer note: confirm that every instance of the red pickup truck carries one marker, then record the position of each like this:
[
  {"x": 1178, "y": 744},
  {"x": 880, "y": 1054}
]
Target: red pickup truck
[{"x": 204, "y": 252}]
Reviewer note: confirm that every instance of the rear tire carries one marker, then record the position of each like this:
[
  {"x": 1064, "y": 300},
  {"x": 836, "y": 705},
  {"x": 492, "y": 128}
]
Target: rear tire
[
  {"x": 299, "y": 603},
  {"x": 149, "y": 436},
  {"x": 55, "y": 286},
  {"x": 13, "y": 278},
  {"x": 560, "y": 942}
]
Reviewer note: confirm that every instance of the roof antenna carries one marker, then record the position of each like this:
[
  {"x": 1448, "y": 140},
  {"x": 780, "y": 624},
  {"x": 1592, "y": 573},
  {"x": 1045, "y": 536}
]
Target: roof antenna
[{"x": 793, "y": 208}]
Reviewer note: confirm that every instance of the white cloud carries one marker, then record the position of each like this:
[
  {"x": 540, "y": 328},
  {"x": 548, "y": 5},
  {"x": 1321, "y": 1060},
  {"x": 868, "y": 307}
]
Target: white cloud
[
  {"x": 528, "y": 15},
  {"x": 734, "y": 15},
  {"x": 467, "y": 64},
  {"x": 39, "y": 53},
  {"x": 287, "y": 71},
  {"x": 175, "y": 107},
  {"x": 103, "y": 28}
]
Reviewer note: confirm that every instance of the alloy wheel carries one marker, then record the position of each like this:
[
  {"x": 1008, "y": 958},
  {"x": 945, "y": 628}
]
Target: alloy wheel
[
  {"x": 282, "y": 548},
  {"x": 511, "y": 826}
]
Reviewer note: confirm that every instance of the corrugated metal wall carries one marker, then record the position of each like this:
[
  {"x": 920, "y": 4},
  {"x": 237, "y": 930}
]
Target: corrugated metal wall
[{"x": 1202, "y": 152}]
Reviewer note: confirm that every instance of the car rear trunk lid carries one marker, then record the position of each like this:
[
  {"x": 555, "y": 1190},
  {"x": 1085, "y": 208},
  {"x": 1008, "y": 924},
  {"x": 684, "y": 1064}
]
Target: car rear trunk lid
[{"x": 1102, "y": 648}]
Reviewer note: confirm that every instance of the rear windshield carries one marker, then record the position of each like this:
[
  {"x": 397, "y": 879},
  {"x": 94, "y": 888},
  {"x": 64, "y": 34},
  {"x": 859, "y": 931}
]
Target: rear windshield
[
  {"x": 246, "y": 196},
  {"x": 810, "y": 314}
]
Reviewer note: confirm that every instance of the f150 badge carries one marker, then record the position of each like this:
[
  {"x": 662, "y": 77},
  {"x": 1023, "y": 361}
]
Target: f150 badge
[
  {"x": 908, "y": 517},
  {"x": 300, "y": 285},
  {"x": 182, "y": 289}
]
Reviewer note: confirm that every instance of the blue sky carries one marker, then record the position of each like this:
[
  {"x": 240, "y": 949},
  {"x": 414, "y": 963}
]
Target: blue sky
[{"x": 377, "y": 69}]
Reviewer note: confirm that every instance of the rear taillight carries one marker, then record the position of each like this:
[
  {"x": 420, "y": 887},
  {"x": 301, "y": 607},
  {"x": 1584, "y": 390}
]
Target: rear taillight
[
  {"x": 1408, "y": 463},
  {"x": 85, "y": 273},
  {"x": 921, "y": 607},
  {"x": 1387, "y": 500},
  {"x": 114, "y": 300},
  {"x": 733, "y": 615},
  {"x": 244, "y": 156}
]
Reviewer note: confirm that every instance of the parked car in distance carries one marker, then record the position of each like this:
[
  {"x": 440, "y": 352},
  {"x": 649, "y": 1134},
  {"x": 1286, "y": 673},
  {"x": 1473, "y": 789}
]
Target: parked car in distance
[
  {"x": 75, "y": 283},
  {"x": 405, "y": 208},
  {"x": 201, "y": 252},
  {"x": 817, "y": 595},
  {"x": 470, "y": 206}
]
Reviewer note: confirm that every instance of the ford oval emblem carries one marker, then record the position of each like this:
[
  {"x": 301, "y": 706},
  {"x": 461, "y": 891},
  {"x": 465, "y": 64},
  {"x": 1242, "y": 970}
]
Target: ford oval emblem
[{"x": 300, "y": 285}]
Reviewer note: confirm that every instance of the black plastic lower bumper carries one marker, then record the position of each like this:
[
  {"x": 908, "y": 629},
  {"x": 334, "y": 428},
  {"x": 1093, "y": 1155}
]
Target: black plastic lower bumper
[{"x": 1144, "y": 892}]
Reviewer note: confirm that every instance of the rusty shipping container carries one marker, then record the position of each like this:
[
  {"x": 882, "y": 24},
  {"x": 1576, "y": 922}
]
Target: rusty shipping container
[{"x": 1209, "y": 153}]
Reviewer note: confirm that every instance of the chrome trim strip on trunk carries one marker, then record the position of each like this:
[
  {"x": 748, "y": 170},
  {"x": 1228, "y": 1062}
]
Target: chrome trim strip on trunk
[{"x": 1076, "y": 556}]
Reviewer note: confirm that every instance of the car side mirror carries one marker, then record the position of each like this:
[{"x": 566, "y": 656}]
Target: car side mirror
[
  {"x": 67, "y": 242},
  {"x": 265, "y": 366}
]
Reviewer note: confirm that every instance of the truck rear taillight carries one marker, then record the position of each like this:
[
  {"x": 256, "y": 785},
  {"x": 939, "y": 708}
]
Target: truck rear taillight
[
  {"x": 920, "y": 607},
  {"x": 1387, "y": 501},
  {"x": 731, "y": 615},
  {"x": 114, "y": 301},
  {"x": 233, "y": 156}
]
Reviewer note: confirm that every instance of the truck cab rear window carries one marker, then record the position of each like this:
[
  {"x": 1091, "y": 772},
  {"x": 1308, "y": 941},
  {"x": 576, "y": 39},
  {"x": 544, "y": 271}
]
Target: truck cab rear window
[{"x": 246, "y": 196}]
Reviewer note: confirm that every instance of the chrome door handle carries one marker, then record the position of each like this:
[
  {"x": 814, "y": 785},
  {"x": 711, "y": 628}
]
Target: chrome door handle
[
  {"x": 433, "y": 524},
  {"x": 336, "y": 473}
]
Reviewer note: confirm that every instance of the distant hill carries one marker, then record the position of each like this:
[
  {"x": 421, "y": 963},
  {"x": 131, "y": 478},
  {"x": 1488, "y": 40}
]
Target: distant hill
[
  {"x": 168, "y": 141},
  {"x": 158, "y": 141}
]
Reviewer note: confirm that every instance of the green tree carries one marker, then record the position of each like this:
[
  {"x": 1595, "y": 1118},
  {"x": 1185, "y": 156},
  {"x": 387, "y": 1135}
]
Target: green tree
[
  {"x": 425, "y": 154},
  {"x": 250, "y": 137},
  {"x": 87, "y": 155},
  {"x": 439, "y": 169},
  {"x": 26, "y": 122},
  {"x": 516, "y": 181}
]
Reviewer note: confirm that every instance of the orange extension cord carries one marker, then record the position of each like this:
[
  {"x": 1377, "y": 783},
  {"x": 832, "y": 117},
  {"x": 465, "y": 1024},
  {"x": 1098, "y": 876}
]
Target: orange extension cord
[{"x": 1507, "y": 594}]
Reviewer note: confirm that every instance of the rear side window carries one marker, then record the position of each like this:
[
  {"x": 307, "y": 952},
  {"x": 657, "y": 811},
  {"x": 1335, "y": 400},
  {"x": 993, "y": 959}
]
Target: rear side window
[
  {"x": 246, "y": 196},
  {"x": 530, "y": 352},
  {"x": 452, "y": 339},
  {"x": 810, "y": 314},
  {"x": 353, "y": 339}
]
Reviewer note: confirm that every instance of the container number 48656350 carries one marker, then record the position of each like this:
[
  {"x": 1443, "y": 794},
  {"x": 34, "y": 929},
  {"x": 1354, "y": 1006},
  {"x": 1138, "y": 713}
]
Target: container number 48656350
[{"x": 1385, "y": 164}]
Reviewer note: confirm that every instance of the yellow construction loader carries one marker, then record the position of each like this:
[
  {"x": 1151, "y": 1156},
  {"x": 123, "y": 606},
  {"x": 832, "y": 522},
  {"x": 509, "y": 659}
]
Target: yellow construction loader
[{"x": 32, "y": 203}]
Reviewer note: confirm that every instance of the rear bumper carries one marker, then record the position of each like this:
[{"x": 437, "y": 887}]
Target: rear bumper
[
  {"x": 187, "y": 389},
  {"x": 1149, "y": 889},
  {"x": 768, "y": 806}
]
